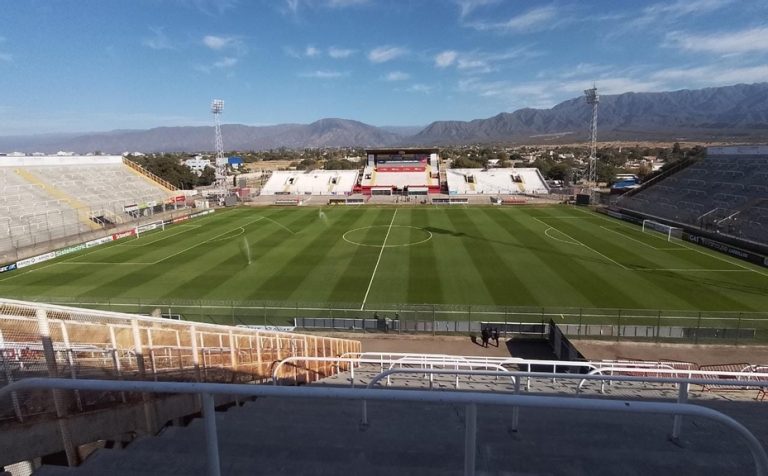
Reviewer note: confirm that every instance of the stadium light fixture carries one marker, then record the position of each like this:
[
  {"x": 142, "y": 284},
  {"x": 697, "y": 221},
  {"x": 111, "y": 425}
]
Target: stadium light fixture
[{"x": 593, "y": 100}]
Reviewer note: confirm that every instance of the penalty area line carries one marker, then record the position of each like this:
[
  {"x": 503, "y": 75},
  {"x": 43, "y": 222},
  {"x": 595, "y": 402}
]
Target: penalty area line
[
  {"x": 381, "y": 252},
  {"x": 581, "y": 243}
]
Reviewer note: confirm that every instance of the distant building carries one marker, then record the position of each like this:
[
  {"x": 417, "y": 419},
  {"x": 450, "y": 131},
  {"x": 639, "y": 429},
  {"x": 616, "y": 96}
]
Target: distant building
[{"x": 197, "y": 164}]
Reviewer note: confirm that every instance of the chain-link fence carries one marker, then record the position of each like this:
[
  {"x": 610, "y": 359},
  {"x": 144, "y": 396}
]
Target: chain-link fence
[{"x": 39, "y": 232}]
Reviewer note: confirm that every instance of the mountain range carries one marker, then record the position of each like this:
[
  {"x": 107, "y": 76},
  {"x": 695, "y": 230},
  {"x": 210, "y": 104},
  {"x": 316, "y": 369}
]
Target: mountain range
[{"x": 728, "y": 113}]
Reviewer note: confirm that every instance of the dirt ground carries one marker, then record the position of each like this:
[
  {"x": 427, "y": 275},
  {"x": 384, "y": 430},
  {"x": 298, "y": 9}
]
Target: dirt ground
[
  {"x": 267, "y": 165},
  {"x": 540, "y": 349}
]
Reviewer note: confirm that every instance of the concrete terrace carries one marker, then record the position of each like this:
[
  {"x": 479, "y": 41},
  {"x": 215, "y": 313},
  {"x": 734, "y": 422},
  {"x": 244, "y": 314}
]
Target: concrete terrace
[{"x": 323, "y": 437}]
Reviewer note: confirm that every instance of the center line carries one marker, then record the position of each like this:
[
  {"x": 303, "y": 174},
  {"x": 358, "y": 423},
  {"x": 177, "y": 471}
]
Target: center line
[{"x": 383, "y": 245}]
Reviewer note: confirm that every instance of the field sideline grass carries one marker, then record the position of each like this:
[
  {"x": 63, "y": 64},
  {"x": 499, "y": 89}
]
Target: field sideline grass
[{"x": 553, "y": 256}]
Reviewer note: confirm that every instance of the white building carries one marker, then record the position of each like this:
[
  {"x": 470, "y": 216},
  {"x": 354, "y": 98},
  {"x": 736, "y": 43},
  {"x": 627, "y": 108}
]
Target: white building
[{"x": 197, "y": 164}]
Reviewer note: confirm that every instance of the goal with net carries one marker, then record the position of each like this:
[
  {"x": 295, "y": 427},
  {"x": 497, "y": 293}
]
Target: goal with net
[{"x": 671, "y": 232}]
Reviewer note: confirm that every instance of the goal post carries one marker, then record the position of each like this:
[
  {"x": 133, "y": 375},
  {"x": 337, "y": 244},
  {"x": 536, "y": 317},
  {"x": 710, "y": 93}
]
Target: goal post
[{"x": 671, "y": 232}]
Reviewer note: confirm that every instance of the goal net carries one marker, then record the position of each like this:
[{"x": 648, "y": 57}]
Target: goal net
[{"x": 671, "y": 232}]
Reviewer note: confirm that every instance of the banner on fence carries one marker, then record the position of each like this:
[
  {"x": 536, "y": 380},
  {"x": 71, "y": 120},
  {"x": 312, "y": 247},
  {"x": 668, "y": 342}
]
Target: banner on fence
[
  {"x": 727, "y": 249},
  {"x": 100, "y": 241},
  {"x": 35, "y": 259},
  {"x": 7, "y": 267},
  {"x": 204, "y": 212},
  {"x": 270, "y": 328},
  {"x": 69, "y": 249},
  {"x": 124, "y": 234},
  {"x": 149, "y": 227}
]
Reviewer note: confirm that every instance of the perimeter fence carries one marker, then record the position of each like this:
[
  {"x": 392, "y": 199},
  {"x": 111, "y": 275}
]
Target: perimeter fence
[
  {"x": 40, "y": 232},
  {"x": 724, "y": 327}
]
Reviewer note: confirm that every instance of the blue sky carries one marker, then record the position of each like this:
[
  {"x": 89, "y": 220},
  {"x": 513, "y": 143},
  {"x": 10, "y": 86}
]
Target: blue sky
[{"x": 98, "y": 65}]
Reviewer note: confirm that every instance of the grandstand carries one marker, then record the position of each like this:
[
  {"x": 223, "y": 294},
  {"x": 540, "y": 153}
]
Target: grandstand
[
  {"x": 50, "y": 197},
  {"x": 504, "y": 181},
  {"x": 311, "y": 182},
  {"x": 726, "y": 193},
  {"x": 401, "y": 171},
  {"x": 152, "y": 396},
  {"x": 56, "y": 341}
]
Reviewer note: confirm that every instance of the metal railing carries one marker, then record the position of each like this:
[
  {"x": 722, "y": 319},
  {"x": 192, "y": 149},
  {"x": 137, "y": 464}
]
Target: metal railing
[
  {"x": 57, "y": 341},
  {"x": 426, "y": 361},
  {"x": 683, "y": 385},
  {"x": 604, "y": 323},
  {"x": 469, "y": 399}
]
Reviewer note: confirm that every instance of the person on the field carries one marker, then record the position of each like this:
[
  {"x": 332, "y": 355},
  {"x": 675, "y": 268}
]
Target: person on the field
[
  {"x": 495, "y": 335},
  {"x": 486, "y": 334}
]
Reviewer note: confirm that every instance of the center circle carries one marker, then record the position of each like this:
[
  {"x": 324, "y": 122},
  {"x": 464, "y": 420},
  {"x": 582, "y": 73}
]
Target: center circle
[{"x": 396, "y": 236}]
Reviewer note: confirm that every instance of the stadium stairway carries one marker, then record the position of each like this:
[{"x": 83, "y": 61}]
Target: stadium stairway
[{"x": 323, "y": 437}]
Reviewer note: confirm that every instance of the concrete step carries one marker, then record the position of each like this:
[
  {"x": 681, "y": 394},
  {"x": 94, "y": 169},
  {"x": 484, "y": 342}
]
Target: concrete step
[
  {"x": 322, "y": 437},
  {"x": 268, "y": 460}
]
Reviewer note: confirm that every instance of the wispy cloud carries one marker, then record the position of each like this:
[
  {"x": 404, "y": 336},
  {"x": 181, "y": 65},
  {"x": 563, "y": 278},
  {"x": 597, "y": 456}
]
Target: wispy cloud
[
  {"x": 581, "y": 69},
  {"x": 445, "y": 58},
  {"x": 226, "y": 62},
  {"x": 478, "y": 62},
  {"x": 420, "y": 88},
  {"x": 547, "y": 93},
  {"x": 159, "y": 40},
  {"x": 310, "y": 51},
  {"x": 324, "y": 74},
  {"x": 466, "y": 7},
  {"x": 293, "y": 6},
  {"x": 383, "y": 54},
  {"x": 613, "y": 85},
  {"x": 345, "y": 3},
  {"x": 728, "y": 43},
  {"x": 209, "y": 7},
  {"x": 292, "y": 52},
  {"x": 220, "y": 42},
  {"x": 712, "y": 75},
  {"x": 397, "y": 76},
  {"x": 531, "y": 20},
  {"x": 340, "y": 53},
  {"x": 671, "y": 12}
]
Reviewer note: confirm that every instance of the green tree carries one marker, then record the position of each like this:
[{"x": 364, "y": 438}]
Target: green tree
[
  {"x": 560, "y": 171},
  {"x": 207, "y": 177}
]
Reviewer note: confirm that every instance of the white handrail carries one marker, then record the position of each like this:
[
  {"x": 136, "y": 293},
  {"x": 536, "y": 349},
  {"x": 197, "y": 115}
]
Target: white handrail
[
  {"x": 470, "y": 399},
  {"x": 475, "y": 361},
  {"x": 674, "y": 376}
]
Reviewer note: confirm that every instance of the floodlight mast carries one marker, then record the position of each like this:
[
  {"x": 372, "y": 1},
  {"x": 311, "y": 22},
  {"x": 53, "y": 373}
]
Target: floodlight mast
[
  {"x": 593, "y": 100},
  {"x": 217, "y": 107}
]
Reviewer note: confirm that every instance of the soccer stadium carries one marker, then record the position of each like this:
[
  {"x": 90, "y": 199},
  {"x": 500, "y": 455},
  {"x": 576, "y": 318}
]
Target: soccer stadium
[{"x": 403, "y": 318}]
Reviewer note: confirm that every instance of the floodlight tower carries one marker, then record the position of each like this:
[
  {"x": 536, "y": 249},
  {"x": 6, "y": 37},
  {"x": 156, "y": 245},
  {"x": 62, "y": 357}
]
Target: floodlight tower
[
  {"x": 217, "y": 106},
  {"x": 593, "y": 100}
]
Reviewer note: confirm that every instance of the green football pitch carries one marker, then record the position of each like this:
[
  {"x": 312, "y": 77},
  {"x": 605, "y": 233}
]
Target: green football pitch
[{"x": 556, "y": 256}]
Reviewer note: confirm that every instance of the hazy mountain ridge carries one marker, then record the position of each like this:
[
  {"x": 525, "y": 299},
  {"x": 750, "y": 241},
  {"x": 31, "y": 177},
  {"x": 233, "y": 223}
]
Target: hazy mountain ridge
[{"x": 738, "y": 112}]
